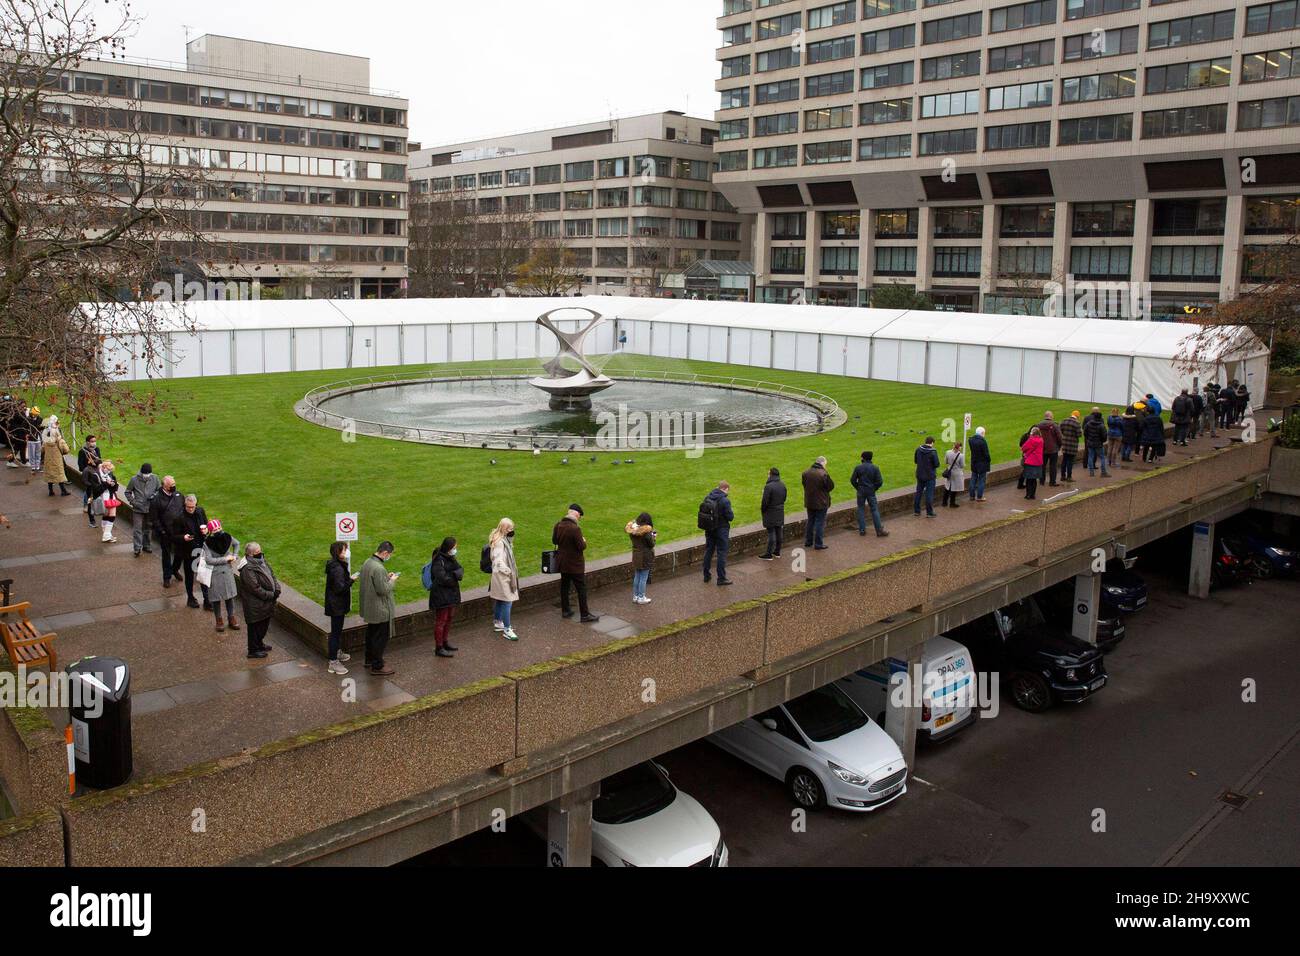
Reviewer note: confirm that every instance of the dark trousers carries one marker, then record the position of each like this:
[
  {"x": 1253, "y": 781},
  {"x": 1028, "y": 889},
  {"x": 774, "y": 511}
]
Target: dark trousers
[
  {"x": 774, "y": 536},
  {"x": 716, "y": 543},
  {"x": 925, "y": 492},
  {"x": 1067, "y": 466},
  {"x": 1031, "y": 487},
  {"x": 1180, "y": 432},
  {"x": 257, "y": 634},
  {"x": 1050, "y": 464},
  {"x": 815, "y": 535},
  {"x": 865, "y": 502},
  {"x": 376, "y": 643},
  {"x": 577, "y": 582},
  {"x": 442, "y": 625},
  {"x": 336, "y": 635},
  {"x": 171, "y": 555}
]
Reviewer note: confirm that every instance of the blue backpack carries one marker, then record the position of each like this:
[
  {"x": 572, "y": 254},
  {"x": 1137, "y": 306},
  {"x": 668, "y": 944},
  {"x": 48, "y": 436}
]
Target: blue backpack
[{"x": 426, "y": 576}]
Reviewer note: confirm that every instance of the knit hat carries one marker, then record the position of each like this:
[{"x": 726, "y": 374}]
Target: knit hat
[
  {"x": 1075, "y": 414},
  {"x": 214, "y": 526}
]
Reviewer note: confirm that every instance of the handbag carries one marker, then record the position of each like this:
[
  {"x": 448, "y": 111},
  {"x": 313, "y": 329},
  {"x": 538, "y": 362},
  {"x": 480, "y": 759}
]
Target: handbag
[
  {"x": 203, "y": 571},
  {"x": 110, "y": 500},
  {"x": 550, "y": 562}
]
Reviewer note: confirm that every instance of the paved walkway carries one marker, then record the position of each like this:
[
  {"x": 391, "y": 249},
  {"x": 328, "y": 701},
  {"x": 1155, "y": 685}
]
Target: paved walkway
[{"x": 196, "y": 697}]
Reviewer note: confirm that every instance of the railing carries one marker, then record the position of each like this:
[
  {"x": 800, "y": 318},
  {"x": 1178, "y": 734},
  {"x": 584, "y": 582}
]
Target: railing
[{"x": 829, "y": 413}]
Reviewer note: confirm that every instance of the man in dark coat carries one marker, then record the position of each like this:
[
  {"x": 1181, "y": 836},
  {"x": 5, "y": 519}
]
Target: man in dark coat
[
  {"x": 165, "y": 514},
  {"x": 1152, "y": 436},
  {"x": 927, "y": 470},
  {"x": 773, "y": 509},
  {"x": 1223, "y": 403},
  {"x": 717, "y": 539},
  {"x": 1095, "y": 436},
  {"x": 1181, "y": 416},
  {"x": 981, "y": 463},
  {"x": 188, "y": 533},
  {"x": 259, "y": 591},
  {"x": 1052, "y": 439},
  {"x": 88, "y": 457},
  {"x": 569, "y": 542},
  {"x": 868, "y": 481},
  {"x": 817, "y": 488},
  {"x": 1131, "y": 432}
]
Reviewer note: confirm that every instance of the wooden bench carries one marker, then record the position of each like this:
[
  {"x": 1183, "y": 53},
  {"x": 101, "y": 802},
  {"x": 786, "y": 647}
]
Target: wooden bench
[{"x": 26, "y": 647}]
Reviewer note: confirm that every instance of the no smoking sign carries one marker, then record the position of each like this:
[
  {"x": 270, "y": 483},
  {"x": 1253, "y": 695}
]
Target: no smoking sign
[{"x": 346, "y": 527}]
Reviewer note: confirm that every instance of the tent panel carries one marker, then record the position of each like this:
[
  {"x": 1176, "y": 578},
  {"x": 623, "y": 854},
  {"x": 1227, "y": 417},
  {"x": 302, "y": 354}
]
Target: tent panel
[
  {"x": 1006, "y": 370},
  {"x": 462, "y": 344},
  {"x": 437, "y": 346},
  {"x": 248, "y": 353},
  {"x": 483, "y": 342},
  {"x": 1040, "y": 373},
  {"x": 806, "y": 353},
  {"x": 717, "y": 343},
  {"x": 911, "y": 362},
  {"x": 857, "y": 360},
  {"x": 698, "y": 336},
  {"x": 834, "y": 354},
  {"x": 278, "y": 346},
  {"x": 785, "y": 350},
  {"x": 885, "y": 360},
  {"x": 1076, "y": 379},
  {"x": 972, "y": 367},
  {"x": 1110, "y": 381},
  {"x": 943, "y": 364},
  {"x": 186, "y": 355}
]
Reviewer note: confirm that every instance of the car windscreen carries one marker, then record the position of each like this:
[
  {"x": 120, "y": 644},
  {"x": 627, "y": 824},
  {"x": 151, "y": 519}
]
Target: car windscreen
[
  {"x": 826, "y": 714},
  {"x": 1021, "y": 617},
  {"x": 633, "y": 794}
]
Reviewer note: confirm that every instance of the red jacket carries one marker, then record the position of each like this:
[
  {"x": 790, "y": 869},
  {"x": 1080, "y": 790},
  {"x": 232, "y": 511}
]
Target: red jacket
[{"x": 1033, "y": 450}]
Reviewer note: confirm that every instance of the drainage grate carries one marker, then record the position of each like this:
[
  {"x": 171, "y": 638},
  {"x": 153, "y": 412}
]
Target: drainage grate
[{"x": 1232, "y": 799}]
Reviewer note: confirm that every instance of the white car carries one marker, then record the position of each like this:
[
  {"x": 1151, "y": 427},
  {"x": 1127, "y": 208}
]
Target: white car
[
  {"x": 641, "y": 819},
  {"x": 825, "y": 749}
]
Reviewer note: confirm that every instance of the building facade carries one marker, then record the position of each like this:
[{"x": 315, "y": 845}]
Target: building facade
[
  {"x": 631, "y": 200},
  {"x": 304, "y": 165},
  {"x": 987, "y": 152}
]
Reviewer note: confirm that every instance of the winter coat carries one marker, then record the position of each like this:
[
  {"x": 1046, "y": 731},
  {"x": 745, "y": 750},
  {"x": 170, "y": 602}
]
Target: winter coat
[
  {"x": 643, "y": 545},
  {"x": 724, "y": 511},
  {"x": 981, "y": 459},
  {"x": 99, "y": 484},
  {"x": 773, "y": 503},
  {"x": 956, "y": 462},
  {"x": 377, "y": 605},
  {"x": 140, "y": 492},
  {"x": 927, "y": 463},
  {"x": 54, "y": 451},
  {"x": 817, "y": 488},
  {"x": 191, "y": 524},
  {"x": 1153, "y": 430},
  {"x": 1181, "y": 413},
  {"x": 867, "y": 479},
  {"x": 166, "y": 512},
  {"x": 505, "y": 573},
  {"x": 1033, "y": 451},
  {"x": 1115, "y": 427},
  {"x": 338, "y": 589},
  {"x": 1130, "y": 426},
  {"x": 258, "y": 590},
  {"x": 1095, "y": 432},
  {"x": 447, "y": 575},
  {"x": 1071, "y": 434},
  {"x": 569, "y": 542},
  {"x": 222, "y": 587},
  {"x": 1051, "y": 436},
  {"x": 88, "y": 455}
]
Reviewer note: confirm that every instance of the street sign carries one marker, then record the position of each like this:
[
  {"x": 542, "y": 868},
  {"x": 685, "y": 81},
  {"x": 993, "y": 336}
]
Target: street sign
[
  {"x": 347, "y": 527},
  {"x": 970, "y": 420}
]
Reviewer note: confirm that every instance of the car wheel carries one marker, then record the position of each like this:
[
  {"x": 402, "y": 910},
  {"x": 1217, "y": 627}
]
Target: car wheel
[
  {"x": 1263, "y": 568},
  {"x": 1030, "y": 692},
  {"x": 805, "y": 789}
]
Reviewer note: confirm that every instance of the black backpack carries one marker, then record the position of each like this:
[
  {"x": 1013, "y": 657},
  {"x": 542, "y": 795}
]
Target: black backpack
[
  {"x": 485, "y": 559},
  {"x": 708, "y": 520}
]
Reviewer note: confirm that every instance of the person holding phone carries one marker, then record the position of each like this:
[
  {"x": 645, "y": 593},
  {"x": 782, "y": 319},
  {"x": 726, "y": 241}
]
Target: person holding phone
[
  {"x": 339, "y": 580},
  {"x": 378, "y": 608}
]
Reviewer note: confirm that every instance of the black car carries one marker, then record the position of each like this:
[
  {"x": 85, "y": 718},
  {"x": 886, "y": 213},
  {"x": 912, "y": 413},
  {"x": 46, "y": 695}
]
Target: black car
[
  {"x": 1057, "y": 604},
  {"x": 1040, "y": 664},
  {"x": 1122, "y": 591}
]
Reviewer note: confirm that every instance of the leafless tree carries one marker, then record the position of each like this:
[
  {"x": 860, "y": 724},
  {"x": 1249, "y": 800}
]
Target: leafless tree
[
  {"x": 551, "y": 270},
  {"x": 505, "y": 242},
  {"x": 443, "y": 244}
]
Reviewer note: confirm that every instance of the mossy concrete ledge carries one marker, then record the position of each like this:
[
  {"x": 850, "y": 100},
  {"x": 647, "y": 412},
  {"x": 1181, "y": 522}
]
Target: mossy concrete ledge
[
  {"x": 215, "y": 812},
  {"x": 35, "y": 840},
  {"x": 563, "y": 699},
  {"x": 972, "y": 556},
  {"x": 33, "y": 759}
]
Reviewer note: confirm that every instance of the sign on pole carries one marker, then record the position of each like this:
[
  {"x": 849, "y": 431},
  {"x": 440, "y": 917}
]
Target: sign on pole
[{"x": 347, "y": 528}]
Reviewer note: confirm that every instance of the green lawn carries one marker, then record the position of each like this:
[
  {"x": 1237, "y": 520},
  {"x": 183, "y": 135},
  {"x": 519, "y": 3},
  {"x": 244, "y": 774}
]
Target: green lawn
[{"x": 236, "y": 443}]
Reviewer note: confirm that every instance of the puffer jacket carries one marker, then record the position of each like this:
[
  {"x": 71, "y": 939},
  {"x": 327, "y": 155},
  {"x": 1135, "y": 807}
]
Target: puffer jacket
[{"x": 643, "y": 539}]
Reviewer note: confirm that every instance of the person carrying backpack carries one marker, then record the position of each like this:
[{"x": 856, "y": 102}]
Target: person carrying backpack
[
  {"x": 441, "y": 577},
  {"x": 715, "y": 520},
  {"x": 499, "y": 556}
]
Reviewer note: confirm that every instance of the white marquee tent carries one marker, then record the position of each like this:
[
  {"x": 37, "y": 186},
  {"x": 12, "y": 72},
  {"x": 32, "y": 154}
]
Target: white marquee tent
[{"x": 1083, "y": 360}]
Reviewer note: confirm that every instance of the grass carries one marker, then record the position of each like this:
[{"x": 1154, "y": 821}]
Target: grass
[{"x": 236, "y": 443}]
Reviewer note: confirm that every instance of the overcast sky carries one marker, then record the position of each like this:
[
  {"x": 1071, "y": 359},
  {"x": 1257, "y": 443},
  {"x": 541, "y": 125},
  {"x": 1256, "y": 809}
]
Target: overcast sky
[{"x": 475, "y": 68}]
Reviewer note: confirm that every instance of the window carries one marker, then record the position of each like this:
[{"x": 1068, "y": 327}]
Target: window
[
  {"x": 546, "y": 175},
  {"x": 1083, "y": 9},
  {"x": 1271, "y": 18},
  {"x": 612, "y": 198},
  {"x": 733, "y": 129},
  {"x": 953, "y": 28},
  {"x": 692, "y": 199},
  {"x": 1022, "y": 56},
  {"x": 832, "y": 117},
  {"x": 789, "y": 225},
  {"x": 1101, "y": 262},
  {"x": 654, "y": 167},
  {"x": 615, "y": 168},
  {"x": 734, "y": 161},
  {"x": 1189, "y": 76},
  {"x": 1095, "y": 129},
  {"x": 546, "y": 202},
  {"x": 1185, "y": 121},
  {"x": 832, "y": 16},
  {"x": 1091, "y": 46},
  {"x": 1033, "y": 262},
  {"x": 958, "y": 222},
  {"x": 1022, "y": 15},
  {"x": 1186, "y": 263},
  {"x": 725, "y": 231},
  {"x": 736, "y": 66},
  {"x": 948, "y": 141},
  {"x": 892, "y": 38},
  {"x": 883, "y": 8},
  {"x": 611, "y": 258},
  {"x": 1186, "y": 31},
  {"x": 840, "y": 48},
  {"x": 1018, "y": 136},
  {"x": 837, "y": 151},
  {"x": 577, "y": 229},
  {"x": 782, "y": 58},
  {"x": 892, "y": 74},
  {"x": 734, "y": 36},
  {"x": 1188, "y": 217},
  {"x": 580, "y": 199},
  {"x": 788, "y": 260},
  {"x": 1269, "y": 114},
  {"x": 895, "y": 261},
  {"x": 776, "y": 124},
  {"x": 650, "y": 227},
  {"x": 579, "y": 172},
  {"x": 1036, "y": 220},
  {"x": 828, "y": 84},
  {"x": 652, "y": 196},
  {"x": 951, "y": 66},
  {"x": 519, "y": 177},
  {"x": 775, "y": 27},
  {"x": 547, "y": 229},
  {"x": 896, "y": 224},
  {"x": 1099, "y": 86},
  {"x": 841, "y": 225},
  {"x": 1273, "y": 65},
  {"x": 957, "y": 262},
  {"x": 1103, "y": 219},
  {"x": 840, "y": 260},
  {"x": 776, "y": 157},
  {"x": 776, "y": 92},
  {"x": 734, "y": 99},
  {"x": 885, "y": 111},
  {"x": 950, "y": 104},
  {"x": 1020, "y": 97},
  {"x": 885, "y": 147},
  {"x": 490, "y": 180}
]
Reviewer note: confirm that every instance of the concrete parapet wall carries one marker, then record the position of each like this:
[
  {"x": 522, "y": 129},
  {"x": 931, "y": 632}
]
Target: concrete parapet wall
[
  {"x": 33, "y": 760},
  {"x": 32, "y": 841}
]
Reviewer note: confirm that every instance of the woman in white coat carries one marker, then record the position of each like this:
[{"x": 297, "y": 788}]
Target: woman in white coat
[
  {"x": 956, "y": 476},
  {"x": 504, "y": 587}
]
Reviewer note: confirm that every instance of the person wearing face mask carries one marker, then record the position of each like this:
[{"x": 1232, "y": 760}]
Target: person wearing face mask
[
  {"x": 504, "y": 587},
  {"x": 445, "y": 574},
  {"x": 258, "y": 592},
  {"x": 378, "y": 608},
  {"x": 88, "y": 457},
  {"x": 339, "y": 581}
]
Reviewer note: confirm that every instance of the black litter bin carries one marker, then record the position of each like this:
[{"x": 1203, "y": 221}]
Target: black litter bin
[{"x": 100, "y": 709}]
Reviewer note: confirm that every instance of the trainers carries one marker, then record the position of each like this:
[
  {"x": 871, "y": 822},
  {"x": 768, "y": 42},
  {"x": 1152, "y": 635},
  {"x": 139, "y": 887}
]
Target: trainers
[
  {"x": 767, "y": 557},
  {"x": 589, "y": 618},
  {"x": 498, "y": 626},
  {"x": 336, "y": 667},
  {"x": 647, "y": 600},
  {"x": 510, "y": 635},
  {"x": 344, "y": 658}
]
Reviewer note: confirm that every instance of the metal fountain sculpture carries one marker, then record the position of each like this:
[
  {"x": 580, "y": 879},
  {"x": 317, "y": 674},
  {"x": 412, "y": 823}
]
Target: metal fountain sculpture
[{"x": 571, "y": 390}]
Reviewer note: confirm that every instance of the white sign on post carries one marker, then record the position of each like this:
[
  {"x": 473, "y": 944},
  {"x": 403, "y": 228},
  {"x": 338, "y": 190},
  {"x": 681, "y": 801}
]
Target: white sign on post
[
  {"x": 347, "y": 528},
  {"x": 970, "y": 420}
]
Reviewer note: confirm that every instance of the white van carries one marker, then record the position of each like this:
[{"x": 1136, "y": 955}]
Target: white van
[{"x": 948, "y": 681}]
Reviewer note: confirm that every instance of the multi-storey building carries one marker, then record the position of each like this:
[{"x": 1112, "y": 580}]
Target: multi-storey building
[
  {"x": 979, "y": 149},
  {"x": 631, "y": 199},
  {"x": 304, "y": 164}
]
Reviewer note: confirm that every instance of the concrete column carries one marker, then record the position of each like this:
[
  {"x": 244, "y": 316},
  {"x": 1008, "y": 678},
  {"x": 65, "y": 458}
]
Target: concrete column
[
  {"x": 1062, "y": 231},
  {"x": 867, "y": 251},
  {"x": 762, "y": 249},
  {"x": 568, "y": 829},
  {"x": 1198, "y": 583},
  {"x": 924, "y": 247},
  {"x": 1234, "y": 229},
  {"x": 1143, "y": 210},
  {"x": 902, "y": 722},
  {"x": 1087, "y": 607},
  {"x": 813, "y": 251},
  {"x": 988, "y": 254}
]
